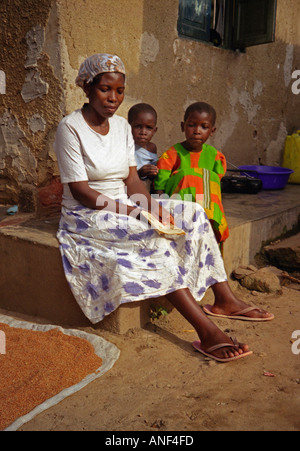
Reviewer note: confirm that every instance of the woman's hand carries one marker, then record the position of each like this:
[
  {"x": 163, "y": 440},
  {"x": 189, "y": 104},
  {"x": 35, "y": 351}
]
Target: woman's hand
[
  {"x": 136, "y": 187},
  {"x": 164, "y": 216}
]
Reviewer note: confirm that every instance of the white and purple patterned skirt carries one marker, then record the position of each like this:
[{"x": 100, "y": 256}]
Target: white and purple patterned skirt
[{"x": 111, "y": 259}]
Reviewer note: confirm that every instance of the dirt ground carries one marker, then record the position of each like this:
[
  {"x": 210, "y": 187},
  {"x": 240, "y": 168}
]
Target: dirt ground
[{"x": 161, "y": 384}]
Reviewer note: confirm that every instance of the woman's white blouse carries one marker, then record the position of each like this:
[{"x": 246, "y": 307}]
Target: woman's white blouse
[{"x": 85, "y": 155}]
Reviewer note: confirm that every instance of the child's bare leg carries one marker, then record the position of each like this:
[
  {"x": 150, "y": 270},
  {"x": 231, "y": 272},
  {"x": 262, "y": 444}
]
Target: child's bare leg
[
  {"x": 209, "y": 334},
  {"x": 227, "y": 303}
]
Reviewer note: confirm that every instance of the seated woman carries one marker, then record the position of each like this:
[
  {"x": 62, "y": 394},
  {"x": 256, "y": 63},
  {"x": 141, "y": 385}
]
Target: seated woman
[{"x": 110, "y": 256}]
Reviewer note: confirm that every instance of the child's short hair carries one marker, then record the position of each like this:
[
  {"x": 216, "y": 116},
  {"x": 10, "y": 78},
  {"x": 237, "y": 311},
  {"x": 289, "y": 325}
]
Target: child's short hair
[
  {"x": 138, "y": 108},
  {"x": 201, "y": 107}
]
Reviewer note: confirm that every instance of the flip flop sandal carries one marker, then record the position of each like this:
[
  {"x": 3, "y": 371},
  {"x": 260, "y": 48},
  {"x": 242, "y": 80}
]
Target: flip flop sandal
[
  {"x": 237, "y": 315},
  {"x": 207, "y": 353}
]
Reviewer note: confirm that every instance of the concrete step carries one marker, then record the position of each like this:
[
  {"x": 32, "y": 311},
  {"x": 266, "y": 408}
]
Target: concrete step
[
  {"x": 285, "y": 253},
  {"x": 32, "y": 281},
  {"x": 256, "y": 220}
]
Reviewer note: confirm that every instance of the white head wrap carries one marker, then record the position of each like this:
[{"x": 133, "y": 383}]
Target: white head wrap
[{"x": 98, "y": 64}]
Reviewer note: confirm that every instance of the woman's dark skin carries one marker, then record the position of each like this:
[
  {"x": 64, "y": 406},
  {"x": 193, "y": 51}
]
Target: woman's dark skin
[{"x": 105, "y": 96}]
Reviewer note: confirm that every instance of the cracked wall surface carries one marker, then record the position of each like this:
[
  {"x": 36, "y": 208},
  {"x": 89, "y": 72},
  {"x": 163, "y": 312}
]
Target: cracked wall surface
[
  {"x": 44, "y": 43},
  {"x": 33, "y": 102},
  {"x": 251, "y": 91}
]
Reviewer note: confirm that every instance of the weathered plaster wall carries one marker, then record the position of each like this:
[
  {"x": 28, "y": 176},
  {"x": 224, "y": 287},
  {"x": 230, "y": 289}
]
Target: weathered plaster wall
[
  {"x": 251, "y": 92},
  {"x": 44, "y": 44},
  {"x": 33, "y": 103}
]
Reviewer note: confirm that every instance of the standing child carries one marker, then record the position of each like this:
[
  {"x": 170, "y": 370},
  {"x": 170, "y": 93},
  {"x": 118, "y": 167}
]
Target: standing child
[
  {"x": 143, "y": 119},
  {"x": 193, "y": 169}
]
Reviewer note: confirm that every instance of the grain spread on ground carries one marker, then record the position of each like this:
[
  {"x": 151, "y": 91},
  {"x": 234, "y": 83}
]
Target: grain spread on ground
[{"x": 37, "y": 366}]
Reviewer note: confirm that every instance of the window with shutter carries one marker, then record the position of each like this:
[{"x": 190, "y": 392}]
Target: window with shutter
[
  {"x": 254, "y": 22},
  {"x": 194, "y": 19},
  {"x": 233, "y": 24}
]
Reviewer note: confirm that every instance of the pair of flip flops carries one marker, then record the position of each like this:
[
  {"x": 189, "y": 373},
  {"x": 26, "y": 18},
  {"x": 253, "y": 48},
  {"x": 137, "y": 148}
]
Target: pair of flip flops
[
  {"x": 209, "y": 351},
  {"x": 241, "y": 315}
]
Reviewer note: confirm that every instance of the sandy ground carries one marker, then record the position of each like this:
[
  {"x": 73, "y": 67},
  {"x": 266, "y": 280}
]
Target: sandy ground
[{"x": 161, "y": 384}]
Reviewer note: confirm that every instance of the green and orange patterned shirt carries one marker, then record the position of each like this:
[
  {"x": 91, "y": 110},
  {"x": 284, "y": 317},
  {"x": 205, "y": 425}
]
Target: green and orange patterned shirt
[{"x": 196, "y": 176}]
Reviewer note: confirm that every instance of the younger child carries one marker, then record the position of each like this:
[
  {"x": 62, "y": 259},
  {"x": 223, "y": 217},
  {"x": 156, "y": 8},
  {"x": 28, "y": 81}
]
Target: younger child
[
  {"x": 143, "y": 118},
  {"x": 195, "y": 168}
]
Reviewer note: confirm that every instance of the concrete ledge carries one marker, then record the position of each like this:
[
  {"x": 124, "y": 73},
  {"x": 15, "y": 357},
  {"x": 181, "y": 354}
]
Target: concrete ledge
[
  {"x": 255, "y": 220},
  {"x": 32, "y": 281}
]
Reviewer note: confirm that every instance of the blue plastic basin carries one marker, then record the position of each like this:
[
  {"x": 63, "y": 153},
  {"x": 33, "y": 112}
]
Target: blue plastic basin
[{"x": 272, "y": 177}]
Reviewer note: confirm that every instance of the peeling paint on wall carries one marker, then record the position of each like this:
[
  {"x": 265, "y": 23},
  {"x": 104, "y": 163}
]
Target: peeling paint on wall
[
  {"x": 34, "y": 86},
  {"x": 36, "y": 123},
  {"x": 228, "y": 125},
  {"x": 2, "y": 82},
  {"x": 149, "y": 48},
  {"x": 288, "y": 64},
  {"x": 275, "y": 148},
  {"x": 258, "y": 88},
  {"x": 251, "y": 109},
  {"x": 35, "y": 40},
  {"x": 34, "y": 102},
  {"x": 15, "y": 156}
]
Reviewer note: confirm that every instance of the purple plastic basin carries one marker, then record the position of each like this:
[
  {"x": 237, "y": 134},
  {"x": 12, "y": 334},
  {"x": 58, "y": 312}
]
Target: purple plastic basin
[{"x": 272, "y": 177}]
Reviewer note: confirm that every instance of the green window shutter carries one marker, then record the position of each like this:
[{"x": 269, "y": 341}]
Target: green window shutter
[
  {"x": 194, "y": 19},
  {"x": 254, "y": 22}
]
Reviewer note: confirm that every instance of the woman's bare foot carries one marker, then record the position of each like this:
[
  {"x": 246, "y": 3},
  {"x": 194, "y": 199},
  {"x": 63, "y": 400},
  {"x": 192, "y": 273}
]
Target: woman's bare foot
[
  {"x": 222, "y": 352},
  {"x": 225, "y": 356},
  {"x": 214, "y": 346},
  {"x": 227, "y": 304},
  {"x": 213, "y": 342}
]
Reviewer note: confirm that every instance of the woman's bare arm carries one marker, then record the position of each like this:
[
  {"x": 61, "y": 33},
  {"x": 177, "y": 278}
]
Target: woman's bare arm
[
  {"x": 90, "y": 198},
  {"x": 136, "y": 190}
]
